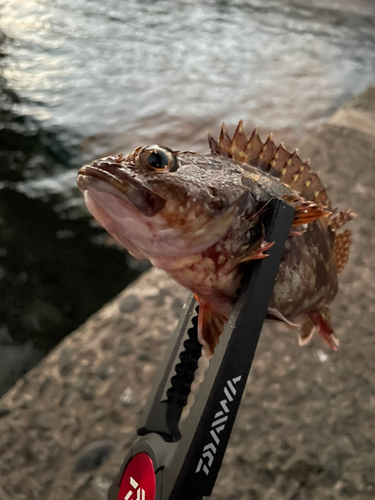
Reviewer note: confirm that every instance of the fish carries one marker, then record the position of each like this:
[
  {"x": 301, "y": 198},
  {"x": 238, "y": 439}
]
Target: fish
[{"x": 200, "y": 218}]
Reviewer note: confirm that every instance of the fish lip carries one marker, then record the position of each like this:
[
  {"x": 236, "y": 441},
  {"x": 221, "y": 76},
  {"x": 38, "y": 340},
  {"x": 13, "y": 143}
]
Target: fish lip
[{"x": 140, "y": 196}]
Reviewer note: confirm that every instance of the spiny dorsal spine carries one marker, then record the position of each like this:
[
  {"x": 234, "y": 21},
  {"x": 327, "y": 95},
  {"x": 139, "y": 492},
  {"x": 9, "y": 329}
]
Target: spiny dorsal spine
[{"x": 288, "y": 167}]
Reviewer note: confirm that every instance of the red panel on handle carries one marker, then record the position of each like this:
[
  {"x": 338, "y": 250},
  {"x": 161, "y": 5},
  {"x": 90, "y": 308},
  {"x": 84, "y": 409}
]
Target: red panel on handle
[{"x": 138, "y": 480}]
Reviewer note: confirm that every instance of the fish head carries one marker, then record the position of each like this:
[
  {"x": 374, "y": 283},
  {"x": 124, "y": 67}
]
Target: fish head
[{"x": 156, "y": 201}]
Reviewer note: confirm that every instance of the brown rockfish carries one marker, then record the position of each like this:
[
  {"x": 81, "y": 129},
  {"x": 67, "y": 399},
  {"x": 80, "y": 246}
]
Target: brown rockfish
[{"x": 199, "y": 217}]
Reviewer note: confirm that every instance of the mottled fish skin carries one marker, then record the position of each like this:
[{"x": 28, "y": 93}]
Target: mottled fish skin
[
  {"x": 307, "y": 276},
  {"x": 200, "y": 218}
]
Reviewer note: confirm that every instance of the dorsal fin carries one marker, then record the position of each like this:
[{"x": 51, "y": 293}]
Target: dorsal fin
[
  {"x": 338, "y": 219},
  {"x": 343, "y": 239},
  {"x": 276, "y": 160}
]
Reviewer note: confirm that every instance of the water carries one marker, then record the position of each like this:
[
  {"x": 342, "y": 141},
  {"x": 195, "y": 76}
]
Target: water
[
  {"x": 83, "y": 77},
  {"x": 93, "y": 66}
]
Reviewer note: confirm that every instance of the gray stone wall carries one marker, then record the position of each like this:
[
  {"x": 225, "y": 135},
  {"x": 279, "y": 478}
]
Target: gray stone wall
[{"x": 305, "y": 429}]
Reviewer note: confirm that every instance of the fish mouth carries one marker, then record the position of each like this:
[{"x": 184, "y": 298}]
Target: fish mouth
[
  {"x": 145, "y": 223},
  {"x": 123, "y": 206},
  {"x": 146, "y": 201}
]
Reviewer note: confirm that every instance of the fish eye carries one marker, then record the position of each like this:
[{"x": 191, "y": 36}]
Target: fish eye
[{"x": 157, "y": 158}]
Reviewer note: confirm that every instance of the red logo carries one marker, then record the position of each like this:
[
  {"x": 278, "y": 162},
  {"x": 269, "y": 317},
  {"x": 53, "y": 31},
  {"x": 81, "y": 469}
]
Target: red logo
[{"x": 138, "y": 481}]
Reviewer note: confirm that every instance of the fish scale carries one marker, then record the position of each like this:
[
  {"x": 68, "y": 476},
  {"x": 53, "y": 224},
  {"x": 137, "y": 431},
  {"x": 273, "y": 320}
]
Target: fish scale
[{"x": 201, "y": 219}]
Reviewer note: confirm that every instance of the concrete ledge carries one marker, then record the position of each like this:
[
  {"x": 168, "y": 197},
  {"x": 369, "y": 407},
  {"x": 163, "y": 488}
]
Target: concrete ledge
[
  {"x": 358, "y": 114},
  {"x": 305, "y": 427}
]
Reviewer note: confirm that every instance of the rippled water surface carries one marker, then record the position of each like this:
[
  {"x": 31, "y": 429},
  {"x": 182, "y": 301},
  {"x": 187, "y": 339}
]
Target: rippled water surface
[
  {"x": 94, "y": 65},
  {"x": 83, "y": 77}
]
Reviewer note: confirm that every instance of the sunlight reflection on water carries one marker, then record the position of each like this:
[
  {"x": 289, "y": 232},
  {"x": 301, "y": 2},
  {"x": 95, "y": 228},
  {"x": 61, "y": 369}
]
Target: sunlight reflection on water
[{"x": 97, "y": 66}]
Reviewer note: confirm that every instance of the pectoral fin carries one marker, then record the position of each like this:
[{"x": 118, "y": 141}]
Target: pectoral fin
[
  {"x": 210, "y": 326},
  {"x": 255, "y": 252}
]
